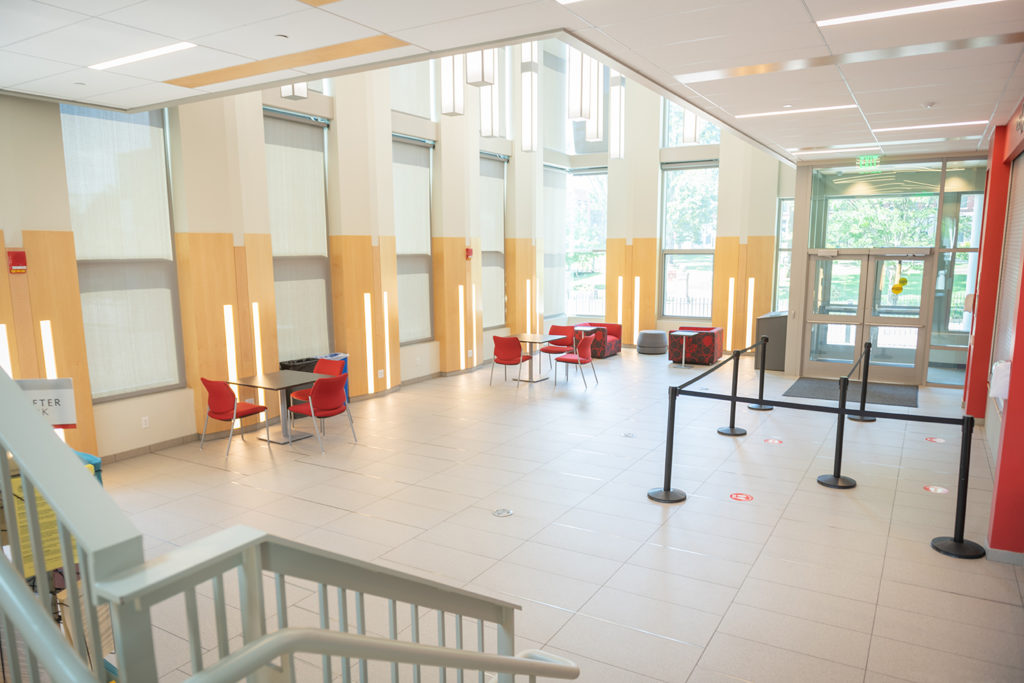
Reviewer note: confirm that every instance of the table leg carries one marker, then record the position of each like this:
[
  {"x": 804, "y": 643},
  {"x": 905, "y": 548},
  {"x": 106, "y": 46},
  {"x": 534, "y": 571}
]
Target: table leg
[
  {"x": 283, "y": 434},
  {"x": 683, "y": 359},
  {"x": 282, "y": 398}
]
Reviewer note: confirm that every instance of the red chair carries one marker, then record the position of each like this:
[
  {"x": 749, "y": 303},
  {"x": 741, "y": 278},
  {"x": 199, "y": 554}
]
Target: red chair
[
  {"x": 324, "y": 366},
  {"x": 326, "y": 399},
  {"x": 559, "y": 346},
  {"x": 508, "y": 351},
  {"x": 223, "y": 405},
  {"x": 579, "y": 359}
]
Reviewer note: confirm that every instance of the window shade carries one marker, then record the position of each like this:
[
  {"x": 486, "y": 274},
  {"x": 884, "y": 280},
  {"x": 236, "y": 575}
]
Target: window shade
[
  {"x": 415, "y": 316},
  {"x": 492, "y": 205},
  {"x": 296, "y": 189},
  {"x": 301, "y": 292},
  {"x": 117, "y": 183},
  {"x": 1010, "y": 273},
  {"x": 411, "y": 169}
]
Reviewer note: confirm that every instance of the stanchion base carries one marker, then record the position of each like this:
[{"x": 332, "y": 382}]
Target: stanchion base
[
  {"x": 968, "y": 550},
  {"x": 834, "y": 482},
  {"x": 732, "y": 431},
  {"x": 759, "y": 406},
  {"x": 858, "y": 418},
  {"x": 670, "y": 496}
]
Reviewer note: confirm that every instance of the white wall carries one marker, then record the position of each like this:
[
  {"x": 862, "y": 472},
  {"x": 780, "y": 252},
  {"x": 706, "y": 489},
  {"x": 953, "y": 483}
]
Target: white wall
[{"x": 119, "y": 423}]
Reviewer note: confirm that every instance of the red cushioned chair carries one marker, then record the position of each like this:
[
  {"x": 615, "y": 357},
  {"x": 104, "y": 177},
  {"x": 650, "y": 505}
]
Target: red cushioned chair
[
  {"x": 559, "y": 346},
  {"x": 326, "y": 399},
  {"x": 607, "y": 340},
  {"x": 324, "y": 366},
  {"x": 508, "y": 351},
  {"x": 579, "y": 359},
  {"x": 223, "y": 405},
  {"x": 703, "y": 348}
]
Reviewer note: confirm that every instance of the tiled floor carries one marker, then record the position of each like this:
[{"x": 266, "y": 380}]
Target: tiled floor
[{"x": 801, "y": 583}]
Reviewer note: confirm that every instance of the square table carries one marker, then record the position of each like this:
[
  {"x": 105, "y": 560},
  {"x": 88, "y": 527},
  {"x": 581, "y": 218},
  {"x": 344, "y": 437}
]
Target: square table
[
  {"x": 531, "y": 340},
  {"x": 685, "y": 334},
  {"x": 282, "y": 382}
]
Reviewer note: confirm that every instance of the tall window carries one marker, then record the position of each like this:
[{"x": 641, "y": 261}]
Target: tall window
[
  {"x": 555, "y": 212},
  {"x": 689, "y": 224},
  {"x": 683, "y": 126},
  {"x": 492, "y": 239},
  {"x": 411, "y": 168},
  {"x": 587, "y": 229},
  {"x": 297, "y": 199},
  {"x": 117, "y": 187},
  {"x": 783, "y": 253}
]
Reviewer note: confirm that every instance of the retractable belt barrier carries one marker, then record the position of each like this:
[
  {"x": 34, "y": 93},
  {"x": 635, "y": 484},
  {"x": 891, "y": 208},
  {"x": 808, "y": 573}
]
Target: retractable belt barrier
[{"x": 955, "y": 545}]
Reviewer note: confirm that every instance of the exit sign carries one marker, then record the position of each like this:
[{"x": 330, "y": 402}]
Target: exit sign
[{"x": 868, "y": 162}]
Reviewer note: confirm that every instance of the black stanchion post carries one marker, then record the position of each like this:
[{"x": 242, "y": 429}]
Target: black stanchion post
[
  {"x": 732, "y": 429},
  {"x": 957, "y": 546},
  {"x": 667, "y": 494},
  {"x": 864, "y": 387},
  {"x": 760, "y": 380},
  {"x": 836, "y": 480}
]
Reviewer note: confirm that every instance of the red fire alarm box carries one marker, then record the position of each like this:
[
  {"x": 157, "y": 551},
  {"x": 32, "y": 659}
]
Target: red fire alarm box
[
  {"x": 469, "y": 253},
  {"x": 16, "y": 262}
]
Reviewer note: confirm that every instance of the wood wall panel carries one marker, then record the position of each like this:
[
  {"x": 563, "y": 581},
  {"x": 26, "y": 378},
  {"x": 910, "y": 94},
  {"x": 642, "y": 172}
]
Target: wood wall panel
[
  {"x": 7, "y": 310},
  {"x": 645, "y": 264},
  {"x": 55, "y": 296},
  {"x": 354, "y": 272},
  {"x": 616, "y": 264},
  {"x": 388, "y": 260},
  {"x": 761, "y": 267},
  {"x": 259, "y": 264},
  {"x": 727, "y": 257},
  {"x": 475, "y": 307},
  {"x": 206, "y": 283},
  {"x": 520, "y": 266},
  {"x": 450, "y": 270}
]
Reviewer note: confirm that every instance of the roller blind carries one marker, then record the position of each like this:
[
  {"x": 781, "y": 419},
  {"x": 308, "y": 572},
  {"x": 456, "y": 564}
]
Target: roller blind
[
  {"x": 117, "y": 183},
  {"x": 1010, "y": 273},
  {"x": 296, "y": 189},
  {"x": 411, "y": 169},
  {"x": 555, "y": 197},
  {"x": 492, "y": 204}
]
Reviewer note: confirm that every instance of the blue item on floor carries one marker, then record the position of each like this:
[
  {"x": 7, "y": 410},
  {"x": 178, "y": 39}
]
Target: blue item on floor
[{"x": 96, "y": 463}]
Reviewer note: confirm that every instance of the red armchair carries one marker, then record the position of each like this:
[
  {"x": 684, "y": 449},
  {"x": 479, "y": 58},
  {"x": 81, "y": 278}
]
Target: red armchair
[
  {"x": 703, "y": 348},
  {"x": 607, "y": 339}
]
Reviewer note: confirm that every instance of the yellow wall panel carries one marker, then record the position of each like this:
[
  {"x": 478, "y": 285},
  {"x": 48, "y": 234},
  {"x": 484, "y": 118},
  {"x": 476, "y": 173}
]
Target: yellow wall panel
[
  {"x": 645, "y": 265},
  {"x": 55, "y": 296},
  {"x": 520, "y": 266},
  {"x": 615, "y": 266},
  {"x": 7, "y": 309},
  {"x": 352, "y": 275},
  {"x": 760, "y": 266},
  {"x": 259, "y": 265},
  {"x": 389, "y": 283},
  {"x": 727, "y": 257}
]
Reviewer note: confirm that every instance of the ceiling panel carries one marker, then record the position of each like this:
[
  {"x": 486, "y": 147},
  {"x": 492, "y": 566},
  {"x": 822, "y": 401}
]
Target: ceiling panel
[
  {"x": 605, "y": 12},
  {"x": 189, "y": 19},
  {"x": 821, "y": 87},
  {"x": 360, "y": 60},
  {"x": 142, "y": 95},
  {"x": 255, "y": 82},
  {"x": 715, "y": 52},
  {"x": 80, "y": 84},
  {"x": 493, "y": 26},
  {"x": 305, "y": 30},
  {"x": 90, "y": 42},
  {"x": 833, "y": 9},
  {"x": 177, "y": 64},
  {"x": 952, "y": 68},
  {"x": 93, "y": 8},
  {"x": 967, "y": 22},
  {"x": 20, "y": 19},
  {"x": 15, "y": 68},
  {"x": 385, "y": 17}
]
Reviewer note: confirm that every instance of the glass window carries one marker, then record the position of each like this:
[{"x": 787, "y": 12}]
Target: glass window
[
  {"x": 117, "y": 189},
  {"x": 682, "y": 126},
  {"x": 587, "y": 229},
  {"x": 689, "y": 225},
  {"x": 783, "y": 253},
  {"x": 296, "y": 198},
  {"x": 411, "y": 172}
]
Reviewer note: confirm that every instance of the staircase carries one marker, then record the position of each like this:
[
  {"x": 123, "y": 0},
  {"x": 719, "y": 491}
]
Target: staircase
[{"x": 372, "y": 623}]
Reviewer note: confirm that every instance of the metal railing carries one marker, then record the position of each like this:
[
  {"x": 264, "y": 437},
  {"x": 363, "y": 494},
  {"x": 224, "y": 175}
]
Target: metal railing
[{"x": 59, "y": 519}]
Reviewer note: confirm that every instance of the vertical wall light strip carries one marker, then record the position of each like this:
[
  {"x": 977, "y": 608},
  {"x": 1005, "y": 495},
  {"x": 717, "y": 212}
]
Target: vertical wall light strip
[
  {"x": 462, "y": 327},
  {"x": 617, "y": 115},
  {"x": 257, "y": 341},
  {"x": 229, "y": 342},
  {"x": 5, "y": 351},
  {"x": 619, "y": 318},
  {"x": 472, "y": 318},
  {"x": 387, "y": 343},
  {"x": 529, "y": 68},
  {"x": 528, "y": 309},
  {"x": 732, "y": 307},
  {"x": 578, "y": 89},
  {"x": 368, "y": 325},
  {"x": 453, "y": 89},
  {"x": 49, "y": 358},
  {"x": 750, "y": 312},
  {"x": 636, "y": 308},
  {"x": 594, "y": 131}
]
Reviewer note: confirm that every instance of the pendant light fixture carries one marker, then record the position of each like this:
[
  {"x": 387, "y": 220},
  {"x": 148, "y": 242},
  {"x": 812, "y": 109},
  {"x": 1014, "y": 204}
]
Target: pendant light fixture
[
  {"x": 481, "y": 67},
  {"x": 452, "y": 88}
]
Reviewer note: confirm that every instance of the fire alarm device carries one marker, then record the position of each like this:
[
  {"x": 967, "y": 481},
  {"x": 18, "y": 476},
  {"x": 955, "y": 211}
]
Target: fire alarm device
[
  {"x": 16, "y": 262},
  {"x": 469, "y": 253}
]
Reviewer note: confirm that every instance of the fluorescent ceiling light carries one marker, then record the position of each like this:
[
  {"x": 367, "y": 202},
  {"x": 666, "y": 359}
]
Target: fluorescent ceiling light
[
  {"x": 903, "y": 11},
  {"x": 797, "y": 111},
  {"x": 838, "y": 150},
  {"x": 138, "y": 57},
  {"x": 568, "y": 2},
  {"x": 930, "y": 125}
]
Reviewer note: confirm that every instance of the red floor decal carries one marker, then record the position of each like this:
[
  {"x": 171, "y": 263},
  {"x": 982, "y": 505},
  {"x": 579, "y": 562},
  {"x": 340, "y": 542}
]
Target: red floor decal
[
  {"x": 936, "y": 489},
  {"x": 935, "y": 439},
  {"x": 773, "y": 442},
  {"x": 742, "y": 496}
]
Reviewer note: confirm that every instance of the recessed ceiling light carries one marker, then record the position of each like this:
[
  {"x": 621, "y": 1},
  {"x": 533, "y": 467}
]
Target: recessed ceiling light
[
  {"x": 138, "y": 57},
  {"x": 929, "y": 125},
  {"x": 567, "y": 2},
  {"x": 797, "y": 111},
  {"x": 839, "y": 150},
  {"x": 903, "y": 11},
  {"x": 787, "y": 106}
]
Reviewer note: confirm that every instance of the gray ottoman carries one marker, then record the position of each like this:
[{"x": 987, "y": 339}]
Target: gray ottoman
[{"x": 652, "y": 341}]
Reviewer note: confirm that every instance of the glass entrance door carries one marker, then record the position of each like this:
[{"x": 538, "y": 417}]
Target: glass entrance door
[{"x": 867, "y": 296}]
